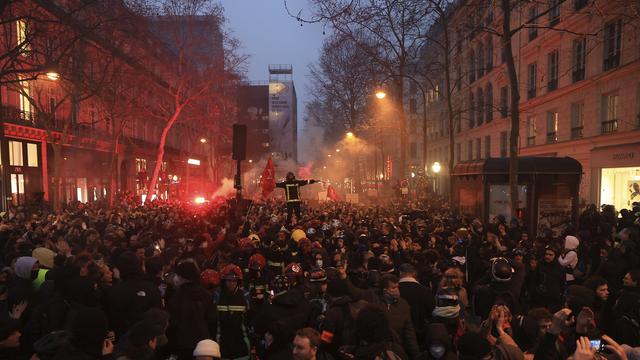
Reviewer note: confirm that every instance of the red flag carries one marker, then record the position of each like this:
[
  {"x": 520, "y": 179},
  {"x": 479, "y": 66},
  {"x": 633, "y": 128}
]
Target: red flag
[
  {"x": 268, "y": 179},
  {"x": 332, "y": 194}
]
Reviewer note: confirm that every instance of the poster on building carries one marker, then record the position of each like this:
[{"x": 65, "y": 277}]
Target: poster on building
[
  {"x": 282, "y": 124},
  {"x": 554, "y": 214}
]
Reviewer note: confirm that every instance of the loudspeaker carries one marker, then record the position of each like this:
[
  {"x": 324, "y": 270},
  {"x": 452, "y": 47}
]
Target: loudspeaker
[{"x": 239, "y": 142}]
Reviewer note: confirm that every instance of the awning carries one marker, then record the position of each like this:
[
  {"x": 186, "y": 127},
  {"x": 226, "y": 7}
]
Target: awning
[{"x": 526, "y": 166}]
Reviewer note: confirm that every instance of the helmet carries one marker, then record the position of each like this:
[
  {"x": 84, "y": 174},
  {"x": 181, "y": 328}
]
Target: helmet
[
  {"x": 280, "y": 283},
  {"x": 231, "y": 272},
  {"x": 293, "y": 271},
  {"x": 255, "y": 239},
  {"x": 298, "y": 234},
  {"x": 317, "y": 275},
  {"x": 501, "y": 270},
  {"x": 290, "y": 176},
  {"x": 209, "y": 278},
  {"x": 246, "y": 245},
  {"x": 257, "y": 262}
]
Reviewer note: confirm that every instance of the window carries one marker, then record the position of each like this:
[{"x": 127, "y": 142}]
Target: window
[
  {"x": 489, "y": 53},
  {"x": 531, "y": 80},
  {"x": 141, "y": 165},
  {"x": 487, "y": 146},
  {"x": 554, "y": 12},
  {"x": 17, "y": 188},
  {"x": 489, "y": 104},
  {"x": 552, "y": 126},
  {"x": 579, "y": 4},
  {"x": 472, "y": 111},
  {"x": 15, "y": 153},
  {"x": 472, "y": 67},
  {"x": 32, "y": 155},
  {"x": 480, "y": 55},
  {"x": 531, "y": 130},
  {"x": 413, "y": 150},
  {"x": 552, "y": 70},
  {"x": 23, "y": 97},
  {"x": 21, "y": 36},
  {"x": 579, "y": 59},
  {"x": 577, "y": 119},
  {"x": 612, "y": 33},
  {"x": 470, "y": 150},
  {"x": 504, "y": 101},
  {"x": 609, "y": 113},
  {"x": 503, "y": 144},
  {"x": 412, "y": 106},
  {"x": 478, "y": 148},
  {"x": 458, "y": 151},
  {"x": 480, "y": 107},
  {"x": 533, "y": 23}
]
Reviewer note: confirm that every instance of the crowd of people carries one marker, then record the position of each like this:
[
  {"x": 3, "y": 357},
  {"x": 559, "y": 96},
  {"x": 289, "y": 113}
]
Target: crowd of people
[{"x": 400, "y": 281}]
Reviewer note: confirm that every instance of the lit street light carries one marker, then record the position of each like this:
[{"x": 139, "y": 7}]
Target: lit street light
[
  {"x": 52, "y": 75},
  {"x": 381, "y": 94},
  {"x": 337, "y": 150},
  {"x": 350, "y": 134},
  {"x": 203, "y": 140},
  {"x": 436, "y": 167}
]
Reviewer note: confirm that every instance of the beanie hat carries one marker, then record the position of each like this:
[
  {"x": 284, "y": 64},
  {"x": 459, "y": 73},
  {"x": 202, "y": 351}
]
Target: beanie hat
[
  {"x": 473, "y": 345},
  {"x": 188, "y": 271},
  {"x": 142, "y": 332},
  {"x": 160, "y": 319},
  {"x": 207, "y": 348},
  {"x": 45, "y": 256},
  {"x": 23, "y": 267}
]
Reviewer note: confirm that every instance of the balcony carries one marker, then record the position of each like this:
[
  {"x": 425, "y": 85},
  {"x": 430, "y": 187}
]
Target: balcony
[
  {"x": 576, "y": 132},
  {"x": 531, "y": 140},
  {"x": 552, "y": 137},
  {"x": 611, "y": 62},
  {"x": 609, "y": 126},
  {"x": 577, "y": 75}
]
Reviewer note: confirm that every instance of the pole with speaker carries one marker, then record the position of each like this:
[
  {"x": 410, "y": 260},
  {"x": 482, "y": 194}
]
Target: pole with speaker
[{"x": 239, "y": 149}]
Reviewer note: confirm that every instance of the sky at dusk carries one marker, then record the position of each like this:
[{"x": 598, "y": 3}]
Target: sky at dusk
[{"x": 270, "y": 36}]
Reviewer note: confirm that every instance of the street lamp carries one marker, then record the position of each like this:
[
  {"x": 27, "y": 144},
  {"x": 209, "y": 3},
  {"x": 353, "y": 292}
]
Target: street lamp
[
  {"x": 350, "y": 134},
  {"x": 381, "y": 94},
  {"x": 337, "y": 150},
  {"x": 52, "y": 75},
  {"x": 203, "y": 140},
  {"x": 436, "y": 167}
]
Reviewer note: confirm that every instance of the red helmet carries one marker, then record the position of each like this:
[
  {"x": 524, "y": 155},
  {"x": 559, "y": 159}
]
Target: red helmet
[
  {"x": 293, "y": 270},
  {"x": 257, "y": 262},
  {"x": 231, "y": 272},
  {"x": 246, "y": 245},
  {"x": 209, "y": 278}
]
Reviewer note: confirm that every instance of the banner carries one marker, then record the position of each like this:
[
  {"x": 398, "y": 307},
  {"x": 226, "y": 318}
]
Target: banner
[{"x": 268, "y": 179}]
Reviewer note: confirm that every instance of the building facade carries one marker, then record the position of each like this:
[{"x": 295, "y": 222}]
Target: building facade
[
  {"x": 283, "y": 113},
  {"x": 58, "y": 133},
  {"x": 578, "y": 66}
]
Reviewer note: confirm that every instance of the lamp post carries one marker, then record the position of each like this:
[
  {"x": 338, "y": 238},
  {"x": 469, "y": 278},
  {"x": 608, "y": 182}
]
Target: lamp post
[
  {"x": 436, "y": 167},
  {"x": 381, "y": 94}
]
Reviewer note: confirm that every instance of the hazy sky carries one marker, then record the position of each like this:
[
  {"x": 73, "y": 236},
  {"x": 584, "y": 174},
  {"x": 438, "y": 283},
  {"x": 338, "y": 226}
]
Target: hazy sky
[{"x": 270, "y": 36}]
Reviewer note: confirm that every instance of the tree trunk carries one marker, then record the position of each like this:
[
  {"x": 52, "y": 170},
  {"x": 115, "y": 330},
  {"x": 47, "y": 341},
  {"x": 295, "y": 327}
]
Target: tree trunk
[
  {"x": 403, "y": 124},
  {"x": 56, "y": 198},
  {"x": 447, "y": 89},
  {"x": 515, "y": 101},
  {"x": 160, "y": 153}
]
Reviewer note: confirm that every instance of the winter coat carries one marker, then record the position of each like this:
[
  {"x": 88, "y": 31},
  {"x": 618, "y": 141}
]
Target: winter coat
[
  {"x": 129, "y": 299},
  {"x": 421, "y": 301},
  {"x": 232, "y": 332},
  {"x": 193, "y": 316},
  {"x": 399, "y": 315},
  {"x": 569, "y": 260}
]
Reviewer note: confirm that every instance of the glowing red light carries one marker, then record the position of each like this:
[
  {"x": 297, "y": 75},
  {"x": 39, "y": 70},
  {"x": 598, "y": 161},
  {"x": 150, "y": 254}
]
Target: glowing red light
[{"x": 199, "y": 200}]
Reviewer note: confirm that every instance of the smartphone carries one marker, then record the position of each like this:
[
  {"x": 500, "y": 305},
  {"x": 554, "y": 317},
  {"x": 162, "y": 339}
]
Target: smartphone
[{"x": 597, "y": 344}]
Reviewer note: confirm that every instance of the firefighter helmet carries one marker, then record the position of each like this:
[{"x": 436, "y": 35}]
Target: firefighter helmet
[
  {"x": 257, "y": 262},
  {"x": 293, "y": 271},
  {"x": 209, "y": 278},
  {"x": 317, "y": 276},
  {"x": 232, "y": 272},
  {"x": 246, "y": 245}
]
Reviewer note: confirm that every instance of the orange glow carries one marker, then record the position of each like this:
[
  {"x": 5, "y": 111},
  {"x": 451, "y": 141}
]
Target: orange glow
[
  {"x": 193, "y": 162},
  {"x": 199, "y": 200},
  {"x": 381, "y": 94}
]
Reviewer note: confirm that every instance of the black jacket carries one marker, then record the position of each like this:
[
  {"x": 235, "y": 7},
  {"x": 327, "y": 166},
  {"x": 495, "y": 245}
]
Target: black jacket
[
  {"x": 421, "y": 301},
  {"x": 193, "y": 316},
  {"x": 129, "y": 299},
  {"x": 292, "y": 188}
]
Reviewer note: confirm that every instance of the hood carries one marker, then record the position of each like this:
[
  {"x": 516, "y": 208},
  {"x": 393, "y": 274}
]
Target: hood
[
  {"x": 571, "y": 242},
  {"x": 23, "y": 267}
]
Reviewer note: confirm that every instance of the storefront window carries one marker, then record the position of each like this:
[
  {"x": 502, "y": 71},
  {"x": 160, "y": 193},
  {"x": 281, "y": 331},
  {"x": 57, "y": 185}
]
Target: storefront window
[
  {"x": 32, "y": 155},
  {"x": 15, "y": 153},
  {"x": 620, "y": 187},
  {"x": 17, "y": 188},
  {"x": 500, "y": 200},
  {"x": 81, "y": 190}
]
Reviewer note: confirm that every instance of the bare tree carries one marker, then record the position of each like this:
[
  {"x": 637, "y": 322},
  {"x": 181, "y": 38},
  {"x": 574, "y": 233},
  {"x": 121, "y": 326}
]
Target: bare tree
[{"x": 394, "y": 33}]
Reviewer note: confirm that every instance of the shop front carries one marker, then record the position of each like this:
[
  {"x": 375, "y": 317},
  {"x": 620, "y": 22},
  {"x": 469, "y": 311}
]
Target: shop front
[
  {"x": 616, "y": 172},
  {"x": 22, "y": 171},
  {"x": 547, "y": 191}
]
